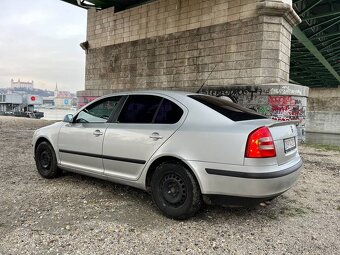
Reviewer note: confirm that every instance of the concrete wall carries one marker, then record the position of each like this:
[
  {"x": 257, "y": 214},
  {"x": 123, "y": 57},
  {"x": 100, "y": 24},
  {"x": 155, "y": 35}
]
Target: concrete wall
[
  {"x": 324, "y": 110},
  {"x": 174, "y": 44}
]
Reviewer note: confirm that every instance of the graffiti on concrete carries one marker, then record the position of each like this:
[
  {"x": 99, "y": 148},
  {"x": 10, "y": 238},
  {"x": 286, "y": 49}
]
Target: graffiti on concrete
[
  {"x": 285, "y": 108},
  {"x": 238, "y": 93},
  {"x": 262, "y": 109},
  {"x": 285, "y": 90},
  {"x": 84, "y": 100},
  {"x": 262, "y": 100}
]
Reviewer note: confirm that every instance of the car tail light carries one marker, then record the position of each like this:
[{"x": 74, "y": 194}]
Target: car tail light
[{"x": 260, "y": 144}]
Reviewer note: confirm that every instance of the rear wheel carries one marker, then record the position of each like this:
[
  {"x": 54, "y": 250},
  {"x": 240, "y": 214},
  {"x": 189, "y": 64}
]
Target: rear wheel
[
  {"x": 46, "y": 161},
  {"x": 175, "y": 191}
]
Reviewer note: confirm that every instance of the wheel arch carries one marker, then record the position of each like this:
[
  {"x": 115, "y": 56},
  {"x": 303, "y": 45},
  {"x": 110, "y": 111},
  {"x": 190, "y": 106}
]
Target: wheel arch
[
  {"x": 45, "y": 139},
  {"x": 162, "y": 159},
  {"x": 39, "y": 141}
]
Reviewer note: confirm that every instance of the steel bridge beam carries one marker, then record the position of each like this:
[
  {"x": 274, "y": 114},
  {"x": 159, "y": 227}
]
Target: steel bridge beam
[{"x": 315, "y": 52}]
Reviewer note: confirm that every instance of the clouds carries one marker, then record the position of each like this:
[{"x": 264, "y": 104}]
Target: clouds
[{"x": 39, "y": 40}]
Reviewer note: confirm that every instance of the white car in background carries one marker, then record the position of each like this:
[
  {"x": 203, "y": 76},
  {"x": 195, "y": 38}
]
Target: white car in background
[{"x": 184, "y": 148}]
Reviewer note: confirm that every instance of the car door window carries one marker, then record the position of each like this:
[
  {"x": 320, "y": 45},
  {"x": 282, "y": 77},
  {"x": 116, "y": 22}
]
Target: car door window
[
  {"x": 98, "y": 112},
  {"x": 139, "y": 109},
  {"x": 168, "y": 113}
]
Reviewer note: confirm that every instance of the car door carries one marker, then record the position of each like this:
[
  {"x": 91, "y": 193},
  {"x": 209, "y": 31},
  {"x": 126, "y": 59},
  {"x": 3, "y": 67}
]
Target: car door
[
  {"x": 80, "y": 142},
  {"x": 143, "y": 125}
]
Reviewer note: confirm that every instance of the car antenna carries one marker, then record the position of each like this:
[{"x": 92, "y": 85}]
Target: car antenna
[{"x": 200, "y": 89}]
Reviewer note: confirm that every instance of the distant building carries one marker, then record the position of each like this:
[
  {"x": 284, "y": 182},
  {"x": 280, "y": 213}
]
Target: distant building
[
  {"x": 56, "y": 90},
  {"x": 34, "y": 100},
  {"x": 48, "y": 101},
  {"x": 21, "y": 84},
  {"x": 10, "y": 102},
  {"x": 62, "y": 99}
]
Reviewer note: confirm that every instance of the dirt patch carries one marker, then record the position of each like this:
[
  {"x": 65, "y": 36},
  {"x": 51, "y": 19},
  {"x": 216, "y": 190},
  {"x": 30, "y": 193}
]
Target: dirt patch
[{"x": 78, "y": 214}]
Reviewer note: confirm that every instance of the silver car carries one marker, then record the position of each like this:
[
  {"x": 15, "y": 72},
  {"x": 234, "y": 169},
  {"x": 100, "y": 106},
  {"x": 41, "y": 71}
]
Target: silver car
[{"x": 184, "y": 148}]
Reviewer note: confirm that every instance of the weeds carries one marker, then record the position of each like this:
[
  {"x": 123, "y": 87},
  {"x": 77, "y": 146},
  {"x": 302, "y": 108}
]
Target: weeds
[
  {"x": 324, "y": 147},
  {"x": 285, "y": 212}
]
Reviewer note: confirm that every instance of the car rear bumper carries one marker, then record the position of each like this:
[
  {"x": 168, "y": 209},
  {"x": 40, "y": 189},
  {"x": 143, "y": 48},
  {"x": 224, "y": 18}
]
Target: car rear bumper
[
  {"x": 257, "y": 182},
  {"x": 260, "y": 176}
]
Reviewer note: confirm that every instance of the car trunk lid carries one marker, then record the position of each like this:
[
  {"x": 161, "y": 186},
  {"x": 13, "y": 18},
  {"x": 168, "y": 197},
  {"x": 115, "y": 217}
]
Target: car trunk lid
[
  {"x": 284, "y": 135},
  {"x": 285, "y": 139}
]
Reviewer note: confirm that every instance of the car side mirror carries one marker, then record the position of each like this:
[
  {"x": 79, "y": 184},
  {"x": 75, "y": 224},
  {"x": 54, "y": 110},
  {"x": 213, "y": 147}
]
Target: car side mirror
[{"x": 68, "y": 118}]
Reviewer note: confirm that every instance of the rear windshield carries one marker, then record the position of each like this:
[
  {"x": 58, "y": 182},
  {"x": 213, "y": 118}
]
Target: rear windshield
[{"x": 231, "y": 110}]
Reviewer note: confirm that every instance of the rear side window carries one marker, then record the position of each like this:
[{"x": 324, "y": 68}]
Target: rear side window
[
  {"x": 139, "y": 109},
  {"x": 230, "y": 110},
  {"x": 168, "y": 113}
]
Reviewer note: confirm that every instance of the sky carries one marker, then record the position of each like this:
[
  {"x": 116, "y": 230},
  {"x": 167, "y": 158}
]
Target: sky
[{"x": 39, "y": 41}]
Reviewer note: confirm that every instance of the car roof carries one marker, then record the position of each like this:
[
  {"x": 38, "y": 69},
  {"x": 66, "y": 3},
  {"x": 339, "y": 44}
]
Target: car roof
[
  {"x": 176, "y": 94},
  {"x": 154, "y": 91},
  {"x": 181, "y": 96}
]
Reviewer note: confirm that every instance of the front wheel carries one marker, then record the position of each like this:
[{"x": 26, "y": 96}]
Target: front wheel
[
  {"x": 175, "y": 191},
  {"x": 46, "y": 161}
]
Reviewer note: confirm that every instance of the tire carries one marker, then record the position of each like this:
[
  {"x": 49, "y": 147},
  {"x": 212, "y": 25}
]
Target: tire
[
  {"x": 175, "y": 191},
  {"x": 46, "y": 161}
]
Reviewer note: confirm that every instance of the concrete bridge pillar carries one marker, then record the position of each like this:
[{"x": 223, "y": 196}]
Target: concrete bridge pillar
[{"x": 175, "y": 44}]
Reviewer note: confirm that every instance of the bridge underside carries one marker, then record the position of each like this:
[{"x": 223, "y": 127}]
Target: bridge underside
[
  {"x": 103, "y": 4},
  {"x": 315, "y": 50}
]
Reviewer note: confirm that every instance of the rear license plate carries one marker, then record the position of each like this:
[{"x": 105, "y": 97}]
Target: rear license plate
[{"x": 289, "y": 144}]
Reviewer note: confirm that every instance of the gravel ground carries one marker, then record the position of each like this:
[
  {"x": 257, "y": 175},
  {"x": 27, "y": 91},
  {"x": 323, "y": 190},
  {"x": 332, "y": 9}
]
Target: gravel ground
[{"x": 82, "y": 215}]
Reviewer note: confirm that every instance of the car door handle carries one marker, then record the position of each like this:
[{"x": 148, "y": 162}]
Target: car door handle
[
  {"x": 97, "y": 132},
  {"x": 155, "y": 136}
]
